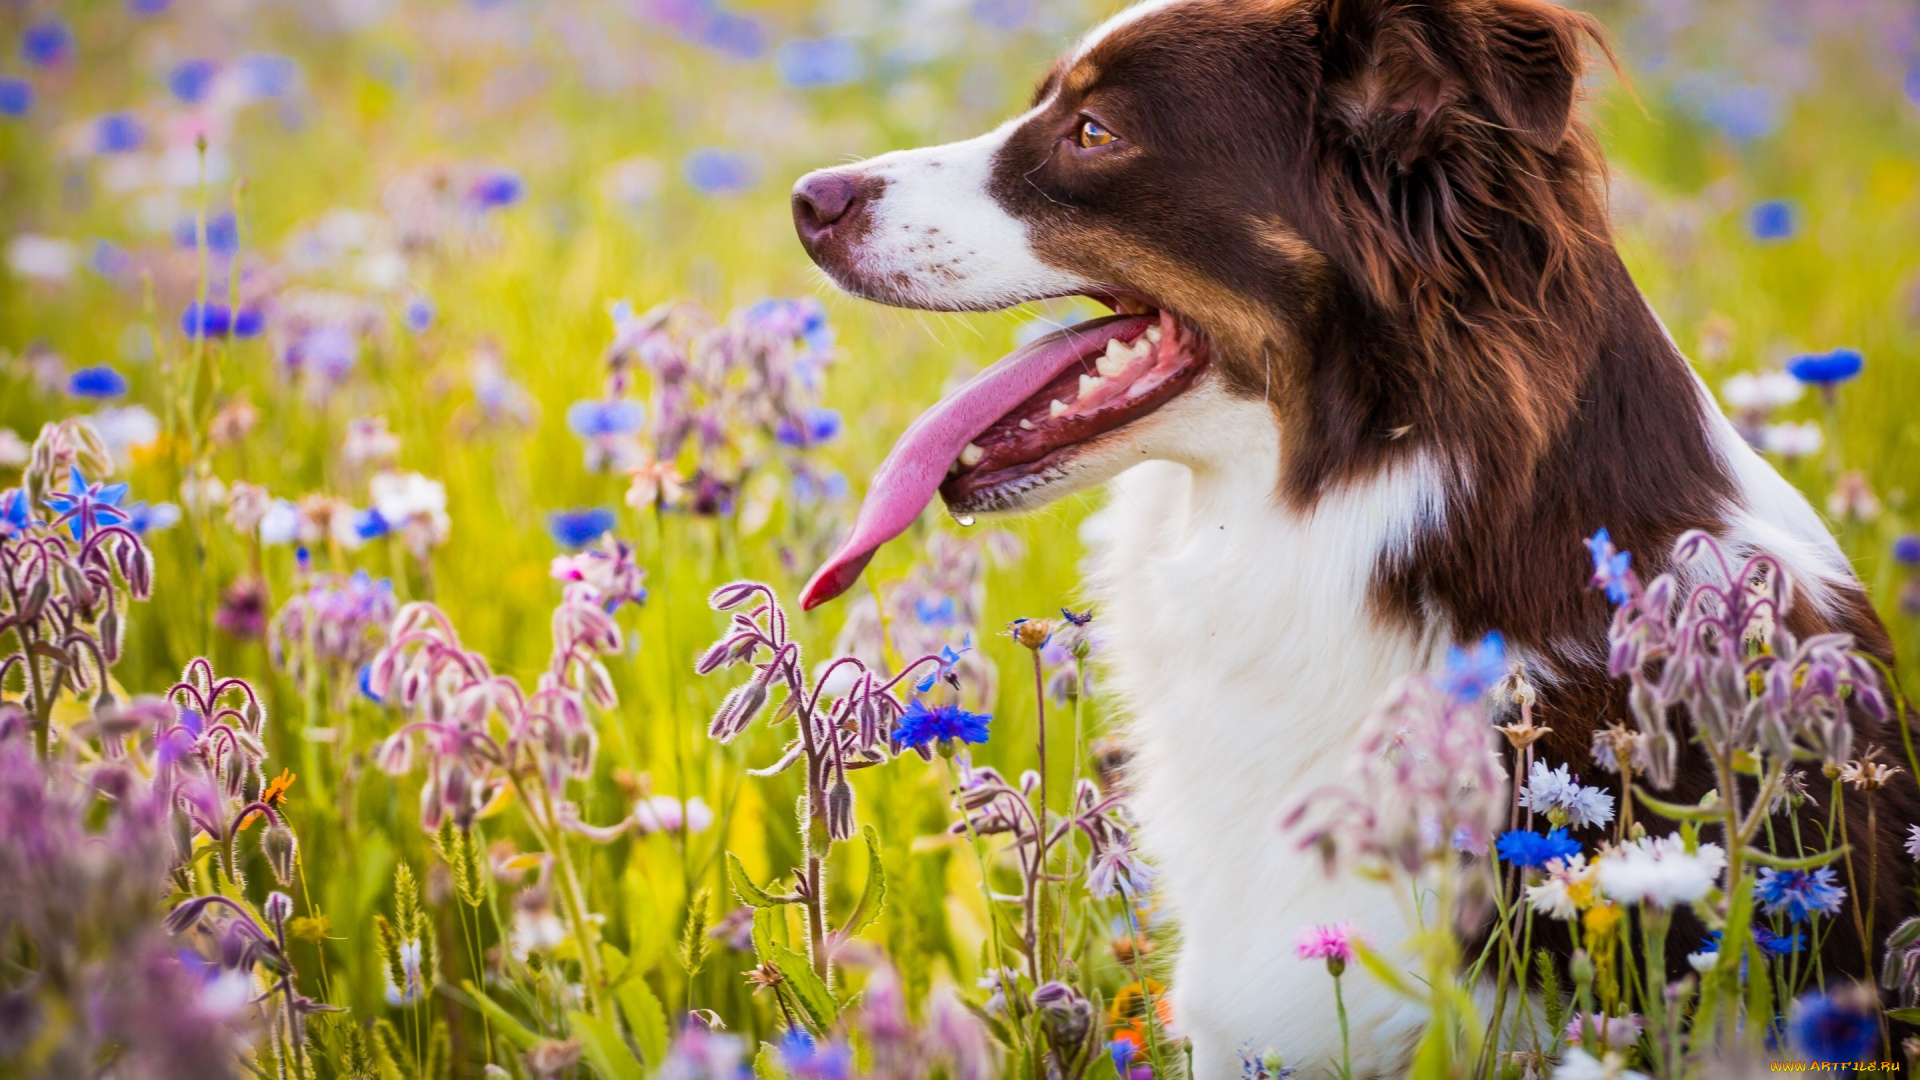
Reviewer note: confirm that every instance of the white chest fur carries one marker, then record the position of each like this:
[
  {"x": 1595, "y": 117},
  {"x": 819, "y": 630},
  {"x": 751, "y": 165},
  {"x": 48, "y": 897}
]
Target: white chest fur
[{"x": 1242, "y": 647}]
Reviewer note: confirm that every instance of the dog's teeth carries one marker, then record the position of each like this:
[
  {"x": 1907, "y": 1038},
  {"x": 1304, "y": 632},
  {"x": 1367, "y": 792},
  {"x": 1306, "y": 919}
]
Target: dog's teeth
[
  {"x": 1090, "y": 383},
  {"x": 1114, "y": 360},
  {"x": 1026, "y": 425},
  {"x": 1153, "y": 335},
  {"x": 1141, "y": 349},
  {"x": 1056, "y": 409},
  {"x": 971, "y": 455}
]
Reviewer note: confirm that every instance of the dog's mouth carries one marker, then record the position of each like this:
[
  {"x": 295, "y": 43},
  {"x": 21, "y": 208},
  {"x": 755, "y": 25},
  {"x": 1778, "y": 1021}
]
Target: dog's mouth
[{"x": 1016, "y": 426}]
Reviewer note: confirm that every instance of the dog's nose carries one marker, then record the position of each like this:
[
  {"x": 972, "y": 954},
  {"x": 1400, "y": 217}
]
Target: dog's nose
[{"x": 819, "y": 200}]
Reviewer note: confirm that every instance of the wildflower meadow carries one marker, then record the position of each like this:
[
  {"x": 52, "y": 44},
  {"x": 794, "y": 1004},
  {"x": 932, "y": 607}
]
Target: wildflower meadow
[{"x": 417, "y": 421}]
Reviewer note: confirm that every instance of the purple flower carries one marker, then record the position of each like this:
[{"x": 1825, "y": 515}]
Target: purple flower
[
  {"x": 191, "y": 79},
  {"x": 216, "y": 320},
  {"x": 1837, "y": 1027},
  {"x": 223, "y": 234},
  {"x": 16, "y": 97},
  {"x": 1798, "y": 894},
  {"x": 1906, "y": 549},
  {"x": 741, "y": 37},
  {"x": 580, "y": 527},
  {"x": 86, "y": 507},
  {"x": 817, "y": 426},
  {"x": 47, "y": 43},
  {"x": 596, "y": 419},
  {"x": 118, "y": 133},
  {"x": 1826, "y": 369},
  {"x": 495, "y": 190},
  {"x": 266, "y": 75},
  {"x": 716, "y": 171},
  {"x": 805, "y": 1059},
  {"x": 1473, "y": 671},
  {"x": 1522, "y": 847},
  {"x": 1772, "y": 220},
  {"x": 419, "y": 314},
  {"x": 921, "y": 726},
  {"x": 811, "y": 62},
  {"x": 97, "y": 382}
]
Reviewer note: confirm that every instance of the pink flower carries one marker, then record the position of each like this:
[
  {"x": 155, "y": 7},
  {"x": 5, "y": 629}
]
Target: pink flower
[{"x": 1332, "y": 941}]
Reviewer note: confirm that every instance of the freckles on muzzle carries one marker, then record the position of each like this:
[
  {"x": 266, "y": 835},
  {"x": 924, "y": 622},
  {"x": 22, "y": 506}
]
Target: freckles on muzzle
[{"x": 832, "y": 213}]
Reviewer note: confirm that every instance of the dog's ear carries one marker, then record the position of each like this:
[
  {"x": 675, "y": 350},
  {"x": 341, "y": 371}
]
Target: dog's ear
[{"x": 1402, "y": 75}]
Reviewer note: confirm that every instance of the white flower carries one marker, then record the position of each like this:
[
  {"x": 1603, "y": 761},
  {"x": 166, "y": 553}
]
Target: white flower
[
  {"x": 410, "y": 499},
  {"x": 125, "y": 429},
  {"x": 536, "y": 928},
  {"x": 664, "y": 813},
  {"x": 1793, "y": 440},
  {"x": 14, "y": 451},
  {"x": 42, "y": 258},
  {"x": 1580, "y": 1065},
  {"x": 1556, "y": 792},
  {"x": 280, "y": 524},
  {"x": 1913, "y": 841},
  {"x": 1568, "y": 887},
  {"x": 1766, "y": 390},
  {"x": 1660, "y": 872},
  {"x": 1704, "y": 960}
]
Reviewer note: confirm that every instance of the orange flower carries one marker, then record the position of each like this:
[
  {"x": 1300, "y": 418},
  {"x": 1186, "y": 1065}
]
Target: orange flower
[{"x": 274, "y": 795}]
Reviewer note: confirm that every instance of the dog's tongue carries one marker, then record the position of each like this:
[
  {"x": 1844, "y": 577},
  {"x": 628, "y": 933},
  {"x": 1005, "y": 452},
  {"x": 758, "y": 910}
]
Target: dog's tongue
[{"x": 906, "y": 482}]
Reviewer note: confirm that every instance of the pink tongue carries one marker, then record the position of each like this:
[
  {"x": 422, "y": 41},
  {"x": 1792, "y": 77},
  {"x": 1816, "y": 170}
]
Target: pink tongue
[{"x": 906, "y": 482}]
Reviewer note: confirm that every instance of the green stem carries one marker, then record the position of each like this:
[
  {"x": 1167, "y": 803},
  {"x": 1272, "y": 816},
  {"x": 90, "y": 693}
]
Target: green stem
[{"x": 1346, "y": 1053}]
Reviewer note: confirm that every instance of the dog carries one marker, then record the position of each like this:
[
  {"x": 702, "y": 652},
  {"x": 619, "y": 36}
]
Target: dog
[{"x": 1374, "y": 372}]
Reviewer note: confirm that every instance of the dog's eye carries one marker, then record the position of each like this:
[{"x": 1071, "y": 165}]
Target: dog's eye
[{"x": 1092, "y": 134}]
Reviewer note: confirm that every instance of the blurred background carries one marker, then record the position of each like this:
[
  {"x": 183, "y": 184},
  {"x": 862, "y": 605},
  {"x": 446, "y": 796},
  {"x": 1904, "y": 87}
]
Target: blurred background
[{"x": 386, "y": 261}]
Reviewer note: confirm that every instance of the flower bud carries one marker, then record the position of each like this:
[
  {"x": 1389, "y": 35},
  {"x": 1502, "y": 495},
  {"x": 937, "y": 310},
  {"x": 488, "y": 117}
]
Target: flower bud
[
  {"x": 1581, "y": 968},
  {"x": 1065, "y": 1016},
  {"x": 281, "y": 848},
  {"x": 279, "y": 907},
  {"x": 840, "y": 810}
]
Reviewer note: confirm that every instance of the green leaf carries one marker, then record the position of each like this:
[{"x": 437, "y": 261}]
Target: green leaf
[
  {"x": 601, "y": 1046},
  {"x": 747, "y": 892},
  {"x": 808, "y": 988},
  {"x": 1808, "y": 862},
  {"x": 503, "y": 1021},
  {"x": 1379, "y": 968},
  {"x": 874, "y": 896},
  {"x": 1905, "y": 1016},
  {"x": 1679, "y": 811},
  {"x": 645, "y": 1018}
]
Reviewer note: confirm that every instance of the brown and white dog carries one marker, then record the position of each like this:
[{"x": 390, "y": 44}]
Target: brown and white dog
[{"x": 1377, "y": 370}]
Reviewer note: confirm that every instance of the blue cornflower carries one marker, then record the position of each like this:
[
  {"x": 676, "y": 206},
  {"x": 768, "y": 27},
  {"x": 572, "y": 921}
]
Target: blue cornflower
[
  {"x": 86, "y": 507},
  {"x": 1800, "y": 893},
  {"x": 215, "y": 320},
  {"x": 741, "y": 37},
  {"x": 1837, "y": 1027},
  {"x": 419, "y": 314},
  {"x": 1473, "y": 671},
  {"x": 269, "y": 76},
  {"x": 932, "y": 614},
  {"x": 16, "y": 511},
  {"x": 580, "y": 527},
  {"x": 97, "y": 382},
  {"x": 949, "y": 659},
  {"x": 594, "y": 419},
  {"x": 47, "y": 43},
  {"x": 496, "y": 189},
  {"x": 1609, "y": 567},
  {"x": 713, "y": 170},
  {"x": 16, "y": 97},
  {"x": 223, "y": 234},
  {"x": 817, "y": 426},
  {"x": 805, "y": 1059},
  {"x": 1826, "y": 369},
  {"x": 1524, "y": 848},
  {"x": 922, "y": 726},
  {"x": 1774, "y": 219},
  {"x": 191, "y": 79},
  {"x": 809, "y": 62},
  {"x": 1777, "y": 944},
  {"x": 143, "y": 519},
  {"x": 370, "y": 524},
  {"x": 118, "y": 133},
  {"x": 1906, "y": 549}
]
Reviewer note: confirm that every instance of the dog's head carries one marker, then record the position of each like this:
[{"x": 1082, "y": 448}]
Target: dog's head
[{"x": 1324, "y": 204}]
